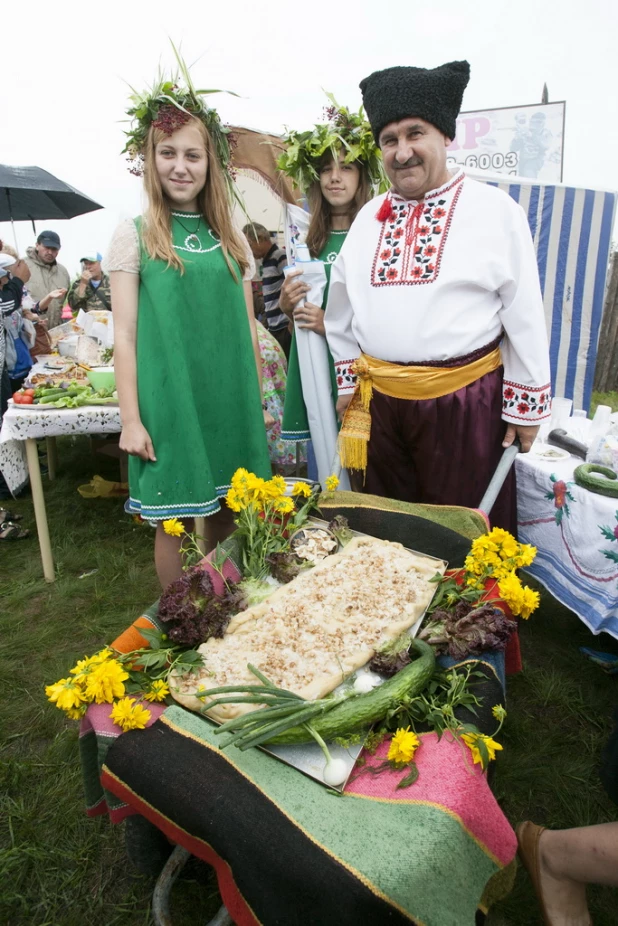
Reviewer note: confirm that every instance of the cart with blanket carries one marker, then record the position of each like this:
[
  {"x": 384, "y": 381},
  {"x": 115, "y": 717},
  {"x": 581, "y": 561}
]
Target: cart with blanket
[{"x": 286, "y": 849}]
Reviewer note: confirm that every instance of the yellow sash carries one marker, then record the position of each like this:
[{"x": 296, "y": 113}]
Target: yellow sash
[{"x": 399, "y": 382}]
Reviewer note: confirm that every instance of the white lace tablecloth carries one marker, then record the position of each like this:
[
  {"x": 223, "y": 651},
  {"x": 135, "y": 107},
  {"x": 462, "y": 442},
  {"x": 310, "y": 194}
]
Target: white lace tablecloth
[
  {"x": 19, "y": 424},
  {"x": 576, "y": 535}
]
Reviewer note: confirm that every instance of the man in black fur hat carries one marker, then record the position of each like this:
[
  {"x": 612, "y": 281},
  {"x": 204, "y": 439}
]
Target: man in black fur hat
[{"x": 435, "y": 318}]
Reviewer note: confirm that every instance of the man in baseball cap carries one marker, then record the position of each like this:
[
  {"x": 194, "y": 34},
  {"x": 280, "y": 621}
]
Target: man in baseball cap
[
  {"x": 47, "y": 275},
  {"x": 91, "y": 289}
]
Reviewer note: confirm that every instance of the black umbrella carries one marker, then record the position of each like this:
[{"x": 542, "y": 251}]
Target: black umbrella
[{"x": 30, "y": 193}]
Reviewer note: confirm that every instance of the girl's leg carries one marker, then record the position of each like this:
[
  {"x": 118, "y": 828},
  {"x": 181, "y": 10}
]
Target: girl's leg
[{"x": 168, "y": 561}]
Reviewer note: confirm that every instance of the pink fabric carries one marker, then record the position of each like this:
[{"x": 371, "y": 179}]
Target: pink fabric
[
  {"x": 447, "y": 777},
  {"x": 97, "y": 719}
]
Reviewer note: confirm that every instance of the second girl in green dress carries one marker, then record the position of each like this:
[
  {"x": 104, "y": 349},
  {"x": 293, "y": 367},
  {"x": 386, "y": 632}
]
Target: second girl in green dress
[{"x": 337, "y": 185}]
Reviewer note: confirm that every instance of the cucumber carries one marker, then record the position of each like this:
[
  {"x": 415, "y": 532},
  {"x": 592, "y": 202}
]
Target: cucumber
[
  {"x": 584, "y": 477},
  {"x": 358, "y": 713}
]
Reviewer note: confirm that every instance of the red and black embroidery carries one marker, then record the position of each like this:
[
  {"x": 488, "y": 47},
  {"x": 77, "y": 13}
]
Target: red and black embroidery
[
  {"x": 346, "y": 378},
  {"x": 412, "y": 238},
  {"x": 526, "y": 403}
]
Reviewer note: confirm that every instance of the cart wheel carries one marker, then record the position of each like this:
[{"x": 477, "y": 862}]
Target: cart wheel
[{"x": 148, "y": 849}]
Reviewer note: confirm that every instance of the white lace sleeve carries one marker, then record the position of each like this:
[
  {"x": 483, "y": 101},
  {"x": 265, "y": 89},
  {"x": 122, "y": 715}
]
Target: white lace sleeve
[{"x": 123, "y": 252}]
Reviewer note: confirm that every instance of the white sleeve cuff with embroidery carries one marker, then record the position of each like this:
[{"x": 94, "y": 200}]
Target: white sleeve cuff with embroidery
[
  {"x": 527, "y": 405},
  {"x": 346, "y": 379}
]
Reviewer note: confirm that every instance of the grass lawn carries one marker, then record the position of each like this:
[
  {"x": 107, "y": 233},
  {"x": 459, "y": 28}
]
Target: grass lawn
[{"x": 59, "y": 868}]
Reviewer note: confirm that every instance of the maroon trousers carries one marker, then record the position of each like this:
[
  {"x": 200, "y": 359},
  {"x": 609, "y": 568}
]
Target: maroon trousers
[{"x": 441, "y": 451}]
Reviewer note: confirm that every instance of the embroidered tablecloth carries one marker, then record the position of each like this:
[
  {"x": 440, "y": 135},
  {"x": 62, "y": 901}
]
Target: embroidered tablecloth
[
  {"x": 576, "y": 534},
  {"x": 19, "y": 424}
]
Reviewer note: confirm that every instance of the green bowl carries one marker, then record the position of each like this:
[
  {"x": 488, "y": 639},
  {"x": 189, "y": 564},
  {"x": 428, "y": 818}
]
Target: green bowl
[{"x": 102, "y": 378}]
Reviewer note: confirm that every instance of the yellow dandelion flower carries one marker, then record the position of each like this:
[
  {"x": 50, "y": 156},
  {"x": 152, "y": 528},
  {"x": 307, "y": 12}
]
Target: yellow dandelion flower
[
  {"x": 239, "y": 480},
  {"x": 473, "y": 565},
  {"x": 484, "y": 544},
  {"x": 525, "y": 555},
  {"x": 85, "y": 666},
  {"x": 499, "y": 712},
  {"x": 233, "y": 500},
  {"x": 284, "y": 505},
  {"x": 472, "y": 739},
  {"x": 76, "y": 713},
  {"x": 530, "y": 601},
  {"x": 173, "y": 527},
  {"x": 276, "y": 486},
  {"x": 67, "y": 694},
  {"x": 511, "y": 591},
  {"x": 331, "y": 483},
  {"x": 509, "y": 548},
  {"x": 129, "y": 716},
  {"x": 159, "y": 691},
  {"x": 403, "y": 745},
  {"x": 106, "y": 682},
  {"x": 301, "y": 489},
  {"x": 102, "y": 656}
]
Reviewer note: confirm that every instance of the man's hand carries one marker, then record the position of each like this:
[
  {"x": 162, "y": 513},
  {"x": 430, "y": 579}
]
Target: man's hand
[
  {"x": 311, "y": 317},
  {"x": 342, "y": 404},
  {"x": 86, "y": 276},
  {"x": 525, "y": 433}
]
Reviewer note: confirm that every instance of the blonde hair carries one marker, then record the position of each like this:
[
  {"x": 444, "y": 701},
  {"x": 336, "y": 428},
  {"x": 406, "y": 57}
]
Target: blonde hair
[
  {"x": 213, "y": 203},
  {"x": 320, "y": 225}
]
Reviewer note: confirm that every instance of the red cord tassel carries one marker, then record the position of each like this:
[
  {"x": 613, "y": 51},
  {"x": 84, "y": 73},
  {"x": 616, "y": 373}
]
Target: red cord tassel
[{"x": 385, "y": 212}]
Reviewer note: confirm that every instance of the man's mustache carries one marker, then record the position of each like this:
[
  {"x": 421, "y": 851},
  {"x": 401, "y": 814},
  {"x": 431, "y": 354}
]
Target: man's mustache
[{"x": 411, "y": 162}]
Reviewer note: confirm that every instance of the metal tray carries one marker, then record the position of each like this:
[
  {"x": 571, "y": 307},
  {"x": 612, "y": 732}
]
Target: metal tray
[{"x": 308, "y": 758}]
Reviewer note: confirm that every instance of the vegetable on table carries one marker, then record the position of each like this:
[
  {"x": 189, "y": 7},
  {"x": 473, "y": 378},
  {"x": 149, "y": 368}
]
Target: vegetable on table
[
  {"x": 599, "y": 479},
  {"x": 286, "y": 716}
]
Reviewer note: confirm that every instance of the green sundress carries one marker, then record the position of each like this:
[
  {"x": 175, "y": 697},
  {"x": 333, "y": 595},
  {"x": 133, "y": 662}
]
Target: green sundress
[
  {"x": 295, "y": 425},
  {"x": 197, "y": 382}
]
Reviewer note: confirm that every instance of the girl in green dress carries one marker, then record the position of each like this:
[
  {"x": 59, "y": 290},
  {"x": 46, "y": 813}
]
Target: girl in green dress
[
  {"x": 335, "y": 198},
  {"x": 339, "y": 168},
  {"x": 186, "y": 353}
]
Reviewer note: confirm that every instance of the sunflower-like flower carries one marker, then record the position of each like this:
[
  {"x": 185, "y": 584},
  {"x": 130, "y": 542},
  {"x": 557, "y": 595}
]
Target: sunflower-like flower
[
  {"x": 472, "y": 742},
  {"x": 67, "y": 694},
  {"x": 158, "y": 691},
  {"x": 301, "y": 489},
  {"x": 331, "y": 483},
  {"x": 173, "y": 527},
  {"x": 403, "y": 746},
  {"x": 129, "y": 716},
  {"x": 106, "y": 682}
]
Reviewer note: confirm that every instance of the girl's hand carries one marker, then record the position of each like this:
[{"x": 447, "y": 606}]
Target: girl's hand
[
  {"x": 57, "y": 294},
  {"x": 269, "y": 421},
  {"x": 311, "y": 317},
  {"x": 342, "y": 404},
  {"x": 292, "y": 292},
  {"x": 135, "y": 440}
]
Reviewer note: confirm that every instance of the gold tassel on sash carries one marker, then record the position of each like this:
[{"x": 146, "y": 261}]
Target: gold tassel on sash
[
  {"x": 356, "y": 425},
  {"x": 399, "y": 382}
]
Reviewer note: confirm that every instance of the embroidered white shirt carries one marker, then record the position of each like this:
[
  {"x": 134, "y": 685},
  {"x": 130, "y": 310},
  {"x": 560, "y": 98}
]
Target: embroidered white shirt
[{"x": 438, "y": 279}]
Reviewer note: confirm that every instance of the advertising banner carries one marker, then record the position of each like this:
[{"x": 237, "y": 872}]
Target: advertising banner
[{"x": 520, "y": 141}]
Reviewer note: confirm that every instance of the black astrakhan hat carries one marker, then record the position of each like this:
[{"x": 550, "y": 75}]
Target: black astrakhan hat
[{"x": 434, "y": 95}]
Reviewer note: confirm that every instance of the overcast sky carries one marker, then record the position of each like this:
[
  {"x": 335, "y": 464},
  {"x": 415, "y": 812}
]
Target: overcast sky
[{"x": 66, "y": 67}]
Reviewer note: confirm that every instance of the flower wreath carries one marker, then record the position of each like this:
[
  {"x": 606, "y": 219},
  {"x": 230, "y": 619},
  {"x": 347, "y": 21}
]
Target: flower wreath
[
  {"x": 343, "y": 131},
  {"x": 168, "y": 105}
]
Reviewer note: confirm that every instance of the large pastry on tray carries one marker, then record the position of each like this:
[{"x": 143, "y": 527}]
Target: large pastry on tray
[{"x": 313, "y": 633}]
